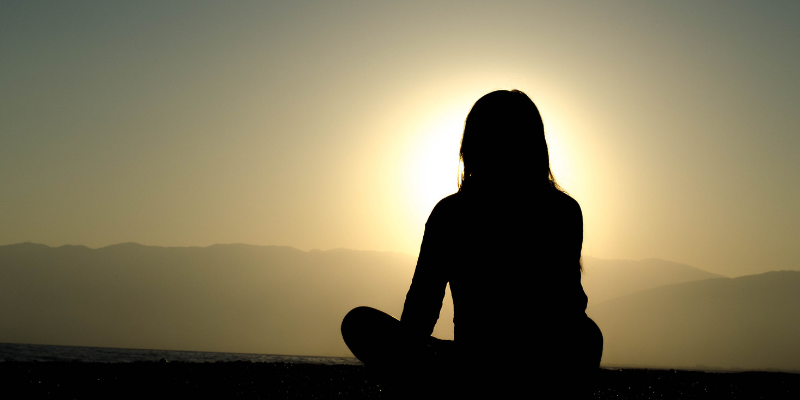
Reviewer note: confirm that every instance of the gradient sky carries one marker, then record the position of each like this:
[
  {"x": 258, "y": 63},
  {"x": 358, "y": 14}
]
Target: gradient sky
[{"x": 676, "y": 125}]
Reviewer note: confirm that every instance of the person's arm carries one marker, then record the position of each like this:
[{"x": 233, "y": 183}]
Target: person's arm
[
  {"x": 424, "y": 298},
  {"x": 576, "y": 245}
]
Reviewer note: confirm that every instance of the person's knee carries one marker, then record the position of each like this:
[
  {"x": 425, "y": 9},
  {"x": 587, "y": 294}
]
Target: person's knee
[{"x": 354, "y": 320}]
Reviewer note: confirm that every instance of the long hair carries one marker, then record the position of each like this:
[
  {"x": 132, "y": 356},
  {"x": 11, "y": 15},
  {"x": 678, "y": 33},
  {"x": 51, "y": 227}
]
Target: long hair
[{"x": 504, "y": 142}]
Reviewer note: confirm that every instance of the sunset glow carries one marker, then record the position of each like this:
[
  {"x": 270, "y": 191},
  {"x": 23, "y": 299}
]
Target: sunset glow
[
  {"x": 338, "y": 125},
  {"x": 433, "y": 161}
]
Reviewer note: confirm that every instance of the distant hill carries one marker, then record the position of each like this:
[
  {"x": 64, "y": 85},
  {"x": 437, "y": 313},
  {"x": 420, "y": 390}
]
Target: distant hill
[
  {"x": 750, "y": 322},
  {"x": 605, "y": 279}
]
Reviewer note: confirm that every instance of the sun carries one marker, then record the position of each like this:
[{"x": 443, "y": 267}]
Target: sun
[{"x": 433, "y": 161}]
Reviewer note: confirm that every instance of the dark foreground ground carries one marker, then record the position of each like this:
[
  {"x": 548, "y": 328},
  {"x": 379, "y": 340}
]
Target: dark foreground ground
[{"x": 307, "y": 381}]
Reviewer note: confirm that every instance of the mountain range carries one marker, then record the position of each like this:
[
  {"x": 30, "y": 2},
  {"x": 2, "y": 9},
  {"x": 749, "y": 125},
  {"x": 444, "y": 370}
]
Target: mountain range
[
  {"x": 607, "y": 279},
  {"x": 280, "y": 300}
]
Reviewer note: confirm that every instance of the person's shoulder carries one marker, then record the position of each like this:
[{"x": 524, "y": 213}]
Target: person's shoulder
[
  {"x": 568, "y": 203},
  {"x": 450, "y": 201},
  {"x": 566, "y": 199},
  {"x": 572, "y": 210},
  {"x": 447, "y": 207}
]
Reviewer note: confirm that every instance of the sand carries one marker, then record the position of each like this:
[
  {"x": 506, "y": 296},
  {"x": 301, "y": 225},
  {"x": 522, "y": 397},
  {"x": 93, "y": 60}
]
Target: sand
[{"x": 310, "y": 381}]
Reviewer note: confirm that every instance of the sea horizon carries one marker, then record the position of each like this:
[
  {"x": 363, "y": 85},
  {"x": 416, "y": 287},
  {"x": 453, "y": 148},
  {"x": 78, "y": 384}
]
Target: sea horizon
[{"x": 25, "y": 352}]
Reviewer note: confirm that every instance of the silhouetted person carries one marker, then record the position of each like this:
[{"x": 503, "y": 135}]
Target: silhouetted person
[{"x": 509, "y": 243}]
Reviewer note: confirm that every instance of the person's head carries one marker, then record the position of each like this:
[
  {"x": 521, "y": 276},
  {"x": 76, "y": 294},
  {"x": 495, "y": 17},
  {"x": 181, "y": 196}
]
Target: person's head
[{"x": 504, "y": 143}]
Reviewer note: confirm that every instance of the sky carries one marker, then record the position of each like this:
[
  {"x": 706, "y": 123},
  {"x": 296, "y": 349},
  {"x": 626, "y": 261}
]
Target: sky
[{"x": 324, "y": 125}]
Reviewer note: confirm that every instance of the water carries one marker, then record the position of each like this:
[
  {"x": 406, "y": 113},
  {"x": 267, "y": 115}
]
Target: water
[{"x": 38, "y": 352}]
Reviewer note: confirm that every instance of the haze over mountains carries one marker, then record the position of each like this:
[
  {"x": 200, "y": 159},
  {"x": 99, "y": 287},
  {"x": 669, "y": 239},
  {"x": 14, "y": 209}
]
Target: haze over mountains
[
  {"x": 750, "y": 322},
  {"x": 279, "y": 300},
  {"x": 230, "y": 298}
]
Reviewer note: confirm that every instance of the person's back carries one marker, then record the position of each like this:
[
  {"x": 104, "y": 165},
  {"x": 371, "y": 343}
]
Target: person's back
[{"x": 513, "y": 264}]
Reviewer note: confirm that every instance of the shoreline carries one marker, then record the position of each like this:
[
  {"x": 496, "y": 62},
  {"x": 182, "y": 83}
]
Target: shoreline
[{"x": 246, "y": 379}]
